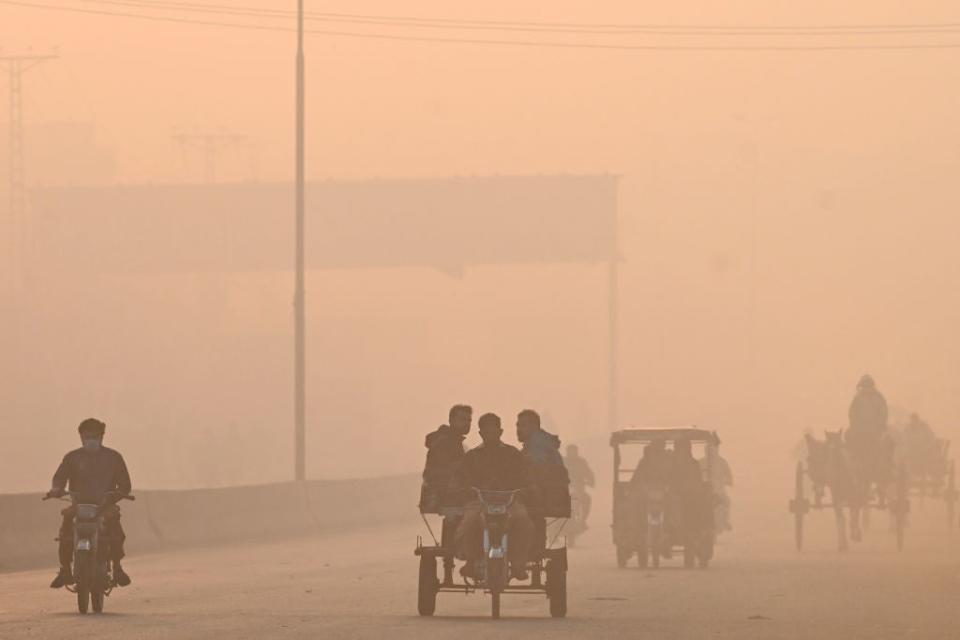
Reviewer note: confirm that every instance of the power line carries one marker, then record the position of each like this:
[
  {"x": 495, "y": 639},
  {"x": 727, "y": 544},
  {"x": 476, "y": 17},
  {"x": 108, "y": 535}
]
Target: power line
[
  {"x": 736, "y": 29},
  {"x": 622, "y": 30},
  {"x": 488, "y": 41}
]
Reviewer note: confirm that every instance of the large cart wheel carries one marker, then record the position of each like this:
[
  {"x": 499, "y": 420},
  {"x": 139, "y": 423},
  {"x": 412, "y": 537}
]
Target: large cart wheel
[
  {"x": 557, "y": 590},
  {"x": 901, "y": 507},
  {"x": 427, "y": 586},
  {"x": 950, "y": 496},
  {"x": 798, "y": 507}
]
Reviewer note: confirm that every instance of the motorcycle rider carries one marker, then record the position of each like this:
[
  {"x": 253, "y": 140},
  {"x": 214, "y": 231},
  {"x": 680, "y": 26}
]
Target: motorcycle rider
[
  {"x": 494, "y": 465},
  {"x": 91, "y": 471},
  {"x": 581, "y": 477}
]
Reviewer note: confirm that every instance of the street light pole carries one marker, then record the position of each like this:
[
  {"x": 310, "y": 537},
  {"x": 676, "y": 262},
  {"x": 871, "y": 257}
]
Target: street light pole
[{"x": 299, "y": 402}]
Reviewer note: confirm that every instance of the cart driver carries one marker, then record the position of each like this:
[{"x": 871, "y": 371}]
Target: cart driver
[
  {"x": 496, "y": 466},
  {"x": 654, "y": 465},
  {"x": 868, "y": 419}
]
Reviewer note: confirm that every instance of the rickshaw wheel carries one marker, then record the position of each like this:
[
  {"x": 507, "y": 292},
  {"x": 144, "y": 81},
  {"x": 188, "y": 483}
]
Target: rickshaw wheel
[
  {"x": 427, "y": 586},
  {"x": 557, "y": 591}
]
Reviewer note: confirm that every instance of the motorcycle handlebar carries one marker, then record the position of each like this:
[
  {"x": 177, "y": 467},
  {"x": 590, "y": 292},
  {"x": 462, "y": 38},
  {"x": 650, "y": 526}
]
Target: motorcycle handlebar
[{"x": 59, "y": 495}]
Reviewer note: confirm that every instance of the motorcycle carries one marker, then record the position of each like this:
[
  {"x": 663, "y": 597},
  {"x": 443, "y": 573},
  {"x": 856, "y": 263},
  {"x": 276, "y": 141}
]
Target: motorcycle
[
  {"x": 93, "y": 572},
  {"x": 492, "y": 570}
]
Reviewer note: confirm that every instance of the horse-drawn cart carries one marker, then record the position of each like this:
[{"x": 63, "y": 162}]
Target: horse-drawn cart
[{"x": 857, "y": 481}]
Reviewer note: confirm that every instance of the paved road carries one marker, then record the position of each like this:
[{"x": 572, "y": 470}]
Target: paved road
[{"x": 362, "y": 585}]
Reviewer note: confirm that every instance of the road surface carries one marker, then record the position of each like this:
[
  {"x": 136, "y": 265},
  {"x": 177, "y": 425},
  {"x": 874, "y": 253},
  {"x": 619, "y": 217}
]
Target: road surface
[{"x": 363, "y": 585}]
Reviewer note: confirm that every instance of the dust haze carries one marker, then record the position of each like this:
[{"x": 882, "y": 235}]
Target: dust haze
[{"x": 786, "y": 221}]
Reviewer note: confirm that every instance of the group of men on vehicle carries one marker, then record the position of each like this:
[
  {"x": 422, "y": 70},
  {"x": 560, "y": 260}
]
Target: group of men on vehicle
[{"x": 452, "y": 474}]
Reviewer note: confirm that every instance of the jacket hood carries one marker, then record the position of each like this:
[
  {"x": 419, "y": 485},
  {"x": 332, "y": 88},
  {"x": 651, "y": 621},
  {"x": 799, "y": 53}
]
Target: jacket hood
[{"x": 436, "y": 437}]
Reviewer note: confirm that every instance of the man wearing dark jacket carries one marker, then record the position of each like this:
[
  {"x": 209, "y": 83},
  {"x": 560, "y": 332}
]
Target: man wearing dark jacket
[
  {"x": 495, "y": 466},
  {"x": 547, "y": 471},
  {"x": 91, "y": 472},
  {"x": 868, "y": 418},
  {"x": 539, "y": 446},
  {"x": 444, "y": 455}
]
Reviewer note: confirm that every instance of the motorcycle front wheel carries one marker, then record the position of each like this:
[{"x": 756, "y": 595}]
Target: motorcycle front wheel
[{"x": 84, "y": 567}]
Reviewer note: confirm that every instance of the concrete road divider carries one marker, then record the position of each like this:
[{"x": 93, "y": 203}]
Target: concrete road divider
[{"x": 172, "y": 519}]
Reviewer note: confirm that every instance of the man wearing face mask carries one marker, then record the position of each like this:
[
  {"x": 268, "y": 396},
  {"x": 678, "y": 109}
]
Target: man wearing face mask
[{"x": 91, "y": 471}]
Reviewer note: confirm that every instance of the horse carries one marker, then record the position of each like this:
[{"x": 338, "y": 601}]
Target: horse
[{"x": 853, "y": 476}]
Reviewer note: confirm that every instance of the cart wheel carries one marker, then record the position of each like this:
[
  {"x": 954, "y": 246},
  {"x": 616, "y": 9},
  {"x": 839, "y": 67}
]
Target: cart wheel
[
  {"x": 557, "y": 591},
  {"x": 950, "y": 495},
  {"x": 427, "y": 587},
  {"x": 901, "y": 507},
  {"x": 798, "y": 507}
]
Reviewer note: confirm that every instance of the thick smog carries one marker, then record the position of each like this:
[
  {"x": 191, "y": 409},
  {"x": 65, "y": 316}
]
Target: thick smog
[{"x": 376, "y": 319}]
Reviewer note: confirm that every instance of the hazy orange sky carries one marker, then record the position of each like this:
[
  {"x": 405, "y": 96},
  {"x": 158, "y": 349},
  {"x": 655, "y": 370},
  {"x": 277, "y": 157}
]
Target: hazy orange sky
[{"x": 788, "y": 222}]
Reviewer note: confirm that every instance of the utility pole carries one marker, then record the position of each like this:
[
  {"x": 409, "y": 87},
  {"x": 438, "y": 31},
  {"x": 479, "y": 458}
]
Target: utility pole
[
  {"x": 613, "y": 318},
  {"x": 299, "y": 310},
  {"x": 210, "y": 144},
  {"x": 17, "y": 65}
]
